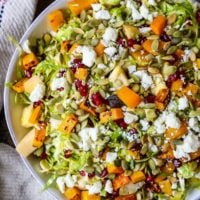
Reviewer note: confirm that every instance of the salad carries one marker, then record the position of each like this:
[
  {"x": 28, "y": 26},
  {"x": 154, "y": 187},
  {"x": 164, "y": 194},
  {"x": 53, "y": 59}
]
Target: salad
[{"x": 111, "y": 98}]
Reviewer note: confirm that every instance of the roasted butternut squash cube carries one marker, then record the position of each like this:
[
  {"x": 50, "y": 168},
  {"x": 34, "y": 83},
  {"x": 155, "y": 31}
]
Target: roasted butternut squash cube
[
  {"x": 19, "y": 86},
  {"x": 68, "y": 124},
  {"x": 72, "y": 193},
  {"x": 126, "y": 197},
  {"x": 119, "y": 181},
  {"x": 158, "y": 24},
  {"x": 81, "y": 73},
  {"x": 87, "y": 109},
  {"x": 113, "y": 169},
  {"x": 166, "y": 187},
  {"x": 138, "y": 176},
  {"x": 99, "y": 49},
  {"x": 40, "y": 134},
  {"x": 86, "y": 196},
  {"x": 29, "y": 60},
  {"x": 56, "y": 19},
  {"x": 35, "y": 114}
]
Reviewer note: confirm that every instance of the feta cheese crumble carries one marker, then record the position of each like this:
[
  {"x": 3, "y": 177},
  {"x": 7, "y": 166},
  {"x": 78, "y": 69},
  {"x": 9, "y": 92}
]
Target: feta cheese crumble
[
  {"x": 145, "y": 124},
  {"x": 129, "y": 118},
  {"x": 193, "y": 124},
  {"x": 69, "y": 181},
  {"x": 146, "y": 79},
  {"x": 135, "y": 13},
  {"x": 131, "y": 69},
  {"x": 110, "y": 157},
  {"x": 89, "y": 56},
  {"x": 110, "y": 51},
  {"x": 60, "y": 181},
  {"x": 58, "y": 83},
  {"x": 110, "y": 34},
  {"x": 182, "y": 103},
  {"x": 26, "y": 46},
  {"x": 38, "y": 93},
  {"x": 172, "y": 121},
  {"x": 108, "y": 187},
  {"x": 96, "y": 6},
  {"x": 145, "y": 13},
  {"x": 95, "y": 188},
  {"x": 102, "y": 14}
]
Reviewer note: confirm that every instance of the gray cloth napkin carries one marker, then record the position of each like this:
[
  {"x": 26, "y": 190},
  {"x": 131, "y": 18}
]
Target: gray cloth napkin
[
  {"x": 16, "y": 182},
  {"x": 15, "y": 18}
]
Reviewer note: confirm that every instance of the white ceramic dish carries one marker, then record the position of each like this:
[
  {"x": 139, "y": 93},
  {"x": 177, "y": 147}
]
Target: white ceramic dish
[{"x": 13, "y": 112}]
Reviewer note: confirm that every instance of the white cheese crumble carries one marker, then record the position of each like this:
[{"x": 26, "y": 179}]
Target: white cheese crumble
[
  {"x": 186, "y": 55},
  {"x": 26, "y": 46},
  {"x": 131, "y": 69},
  {"x": 172, "y": 121},
  {"x": 101, "y": 66},
  {"x": 108, "y": 187},
  {"x": 152, "y": 2},
  {"x": 145, "y": 29},
  {"x": 58, "y": 83},
  {"x": 95, "y": 188},
  {"x": 135, "y": 13},
  {"x": 60, "y": 181},
  {"x": 182, "y": 103},
  {"x": 145, "y": 124},
  {"x": 146, "y": 79},
  {"x": 110, "y": 34},
  {"x": 89, "y": 56},
  {"x": 69, "y": 181},
  {"x": 96, "y": 6},
  {"x": 110, "y": 157},
  {"x": 54, "y": 123},
  {"x": 145, "y": 13},
  {"x": 110, "y": 51},
  {"x": 129, "y": 118},
  {"x": 102, "y": 14},
  {"x": 190, "y": 144},
  {"x": 38, "y": 93},
  {"x": 159, "y": 124},
  {"x": 194, "y": 125}
]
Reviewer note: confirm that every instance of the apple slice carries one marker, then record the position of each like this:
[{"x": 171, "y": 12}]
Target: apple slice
[
  {"x": 25, "y": 146},
  {"x": 26, "y": 114},
  {"x": 31, "y": 83}
]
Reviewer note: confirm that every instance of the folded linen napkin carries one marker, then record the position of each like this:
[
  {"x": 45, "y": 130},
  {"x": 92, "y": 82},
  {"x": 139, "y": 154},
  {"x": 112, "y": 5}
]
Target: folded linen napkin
[{"x": 15, "y": 18}]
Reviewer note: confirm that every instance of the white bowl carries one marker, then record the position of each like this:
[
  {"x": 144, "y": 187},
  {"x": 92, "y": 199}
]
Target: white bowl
[{"x": 13, "y": 112}]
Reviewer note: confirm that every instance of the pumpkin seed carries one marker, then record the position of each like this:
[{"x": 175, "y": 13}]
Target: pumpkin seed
[
  {"x": 176, "y": 34},
  {"x": 83, "y": 117},
  {"x": 69, "y": 76},
  {"x": 136, "y": 87},
  {"x": 158, "y": 162},
  {"x": 79, "y": 112},
  {"x": 144, "y": 149},
  {"x": 152, "y": 164},
  {"x": 153, "y": 70},
  {"x": 171, "y": 50},
  {"x": 192, "y": 56},
  {"x": 78, "y": 127},
  {"x": 171, "y": 18},
  {"x": 155, "y": 45},
  {"x": 84, "y": 124},
  {"x": 44, "y": 165},
  {"x": 153, "y": 37}
]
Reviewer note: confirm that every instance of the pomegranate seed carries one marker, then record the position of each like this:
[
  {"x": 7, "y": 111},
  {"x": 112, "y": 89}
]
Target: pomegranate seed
[
  {"x": 97, "y": 99},
  {"x": 104, "y": 173},
  {"x": 61, "y": 73},
  {"x": 43, "y": 156},
  {"x": 136, "y": 147},
  {"x": 174, "y": 59},
  {"x": 91, "y": 175},
  {"x": 198, "y": 15},
  {"x": 121, "y": 42},
  {"x": 133, "y": 131},
  {"x": 179, "y": 74},
  {"x": 141, "y": 39},
  {"x": 77, "y": 63},
  {"x": 177, "y": 163},
  {"x": 68, "y": 153},
  {"x": 115, "y": 194},
  {"x": 83, "y": 89},
  {"x": 130, "y": 42},
  {"x": 150, "y": 179},
  {"x": 29, "y": 73},
  {"x": 149, "y": 99},
  {"x": 121, "y": 123},
  {"x": 60, "y": 89},
  {"x": 82, "y": 173},
  {"x": 36, "y": 104},
  {"x": 164, "y": 37}
]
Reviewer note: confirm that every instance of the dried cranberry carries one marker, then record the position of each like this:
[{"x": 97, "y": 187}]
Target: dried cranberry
[
  {"x": 29, "y": 73},
  {"x": 114, "y": 101},
  {"x": 141, "y": 39},
  {"x": 136, "y": 147},
  {"x": 60, "y": 89},
  {"x": 133, "y": 131},
  {"x": 131, "y": 42},
  {"x": 115, "y": 194},
  {"x": 43, "y": 156},
  {"x": 82, "y": 88},
  {"x": 121, "y": 42},
  {"x": 97, "y": 99},
  {"x": 104, "y": 173},
  {"x": 150, "y": 179},
  {"x": 164, "y": 37},
  {"x": 179, "y": 74},
  {"x": 36, "y": 104},
  {"x": 121, "y": 123},
  {"x": 177, "y": 163},
  {"x": 150, "y": 98},
  {"x": 198, "y": 15},
  {"x": 68, "y": 153},
  {"x": 91, "y": 175},
  {"x": 77, "y": 63},
  {"x": 82, "y": 173},
  {"x": 61, "y": 73}
]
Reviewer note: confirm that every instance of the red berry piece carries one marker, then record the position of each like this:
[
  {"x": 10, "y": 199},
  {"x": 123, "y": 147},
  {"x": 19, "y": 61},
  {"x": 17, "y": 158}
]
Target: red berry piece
[
  {"x": 82, "y": 88},
  {"x": 82, "y": 173},
  {"x": 121, "y": 123},
  {"x": 68, "y": 153},
  {"x": 97, "y": 99}
]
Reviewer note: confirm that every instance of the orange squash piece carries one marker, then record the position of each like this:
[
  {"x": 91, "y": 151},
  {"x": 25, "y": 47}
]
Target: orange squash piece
[
  {"x": 113, "y": 169},
  {"x": 160, "y": 106},
  {"x": 86, "y": 108},
  {"x": 129, "y": 97},
  {"x": 160, "y": 178},
  {"x": 195, "y": 155},
  {"x": 166, "y": 187},
  {"x": 141, "y": 57},
  {"x": 191, "y": 89},
  {"x": 135, "y": 154},
  {"x": 198, "y": 62},
  {"x": 173, "y": 133},
  {"x": 73, "y": 47},
  {"x": 113, "y": 114},
  {"x": 35, "y": 114},
  {"x": 162, "y": 95},
  {"x": 64, "y": 46},
  {"x": 147, "y": 45},
  {"x": 168, "y": 154},
  {"x": 158, "y": 24},
  {"x": 138, "y": 176},
  {"x": 56, "y": 19},
  {"x": 168, "y": 168},
  {"x": 179, "y": 53},
  {"x": 177, "y": 85},
  {"x": 19, "y": 86},
  {"x": 81, "y": 73},
  {"x": 76, "y": 6},
  {"x": 72, "y": 193},
  {"x": 29, "y": 60},
  {"x": 120, "y": 181},
  {"x": 126, "y": 197},
  {"x": 86, "y": 196},
  {"x": 40, "y": 135},
  {"x": 68, "y": 124},
  {"x": 99, "y": 49}
]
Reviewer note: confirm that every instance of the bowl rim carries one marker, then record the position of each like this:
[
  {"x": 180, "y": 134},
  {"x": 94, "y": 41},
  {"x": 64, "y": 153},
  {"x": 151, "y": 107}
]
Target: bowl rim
[{"x": 6, "y": 92}]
